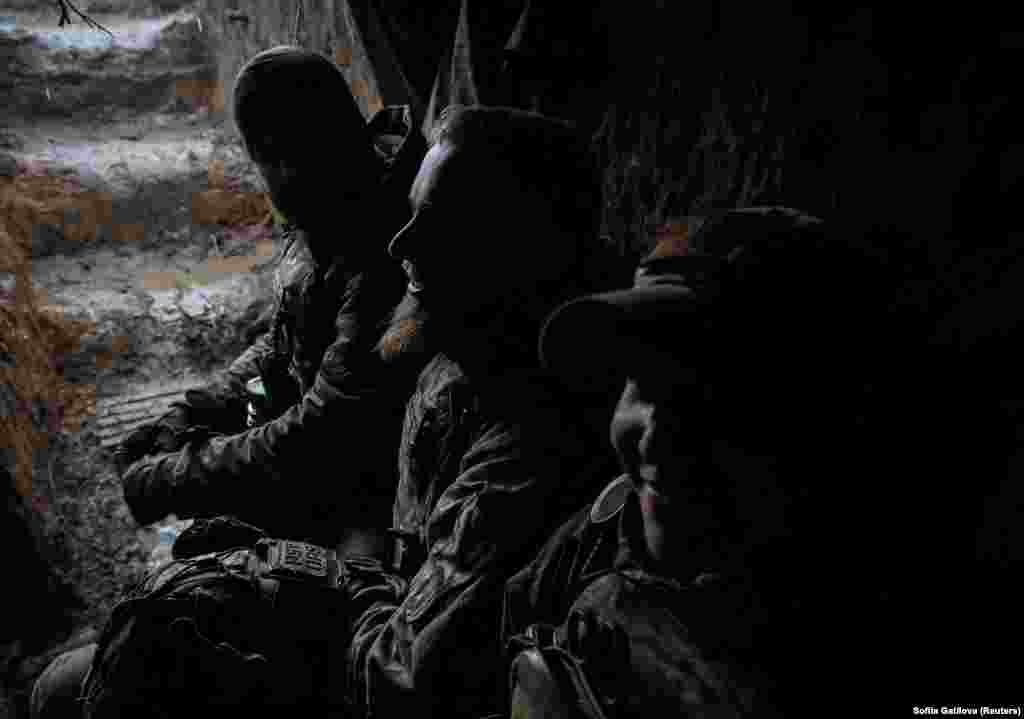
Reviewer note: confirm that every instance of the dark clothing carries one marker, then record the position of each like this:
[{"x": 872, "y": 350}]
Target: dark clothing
[
  {"x": 784, "y": 639},
  {"x": 212, "y": 631},
  {"x": 341, "y": 406},
  {"x": 488, "y": 467},
  {"x": 247, "y": 474},
  {"x": 56, "y": 692},
  {"x": 288, "y": 355},
  {"x": 691, "y": 645}
]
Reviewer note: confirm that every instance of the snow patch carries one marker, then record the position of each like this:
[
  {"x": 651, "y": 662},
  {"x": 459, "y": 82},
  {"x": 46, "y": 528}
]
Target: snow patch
[{"x": 135, "y": 35}]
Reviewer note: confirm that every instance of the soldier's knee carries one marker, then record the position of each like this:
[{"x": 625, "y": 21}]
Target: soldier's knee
[{"x": 56, "y": 691}]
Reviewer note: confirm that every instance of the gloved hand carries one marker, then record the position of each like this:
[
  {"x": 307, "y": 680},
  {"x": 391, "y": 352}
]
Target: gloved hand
[
  {"x": 148, "y": 486},
  {"x": 215, "y": 535},
  {"x": 219, "y": 408},
  {"x": 155, "y": 485},
  {"x": 204, "y": 412},
  {"x": 162, "y": 435}
]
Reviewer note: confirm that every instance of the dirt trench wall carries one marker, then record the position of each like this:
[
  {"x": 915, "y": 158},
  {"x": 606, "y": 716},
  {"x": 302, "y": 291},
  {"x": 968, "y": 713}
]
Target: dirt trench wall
[
  {"x": 78, "y": 73},
  {"x": 135, "y": 8},
  {"x": 127, "y": 243}
]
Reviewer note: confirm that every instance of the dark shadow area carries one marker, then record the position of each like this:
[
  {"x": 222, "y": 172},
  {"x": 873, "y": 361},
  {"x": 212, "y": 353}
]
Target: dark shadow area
[{"x": 898, "y": 128}]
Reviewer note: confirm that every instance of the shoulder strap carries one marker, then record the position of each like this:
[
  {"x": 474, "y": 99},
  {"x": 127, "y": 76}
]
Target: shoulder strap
[{"x": 548, "y": 680}]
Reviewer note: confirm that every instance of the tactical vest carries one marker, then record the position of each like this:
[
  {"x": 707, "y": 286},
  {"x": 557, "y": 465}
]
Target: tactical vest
[{"x": 245, "y": 626}]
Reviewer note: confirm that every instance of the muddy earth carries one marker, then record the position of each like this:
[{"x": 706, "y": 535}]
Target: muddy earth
[{"x": 163, "y": 249}]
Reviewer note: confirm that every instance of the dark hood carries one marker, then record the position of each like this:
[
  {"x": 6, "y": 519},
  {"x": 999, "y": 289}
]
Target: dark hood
[{"x": 270, "y": 83}]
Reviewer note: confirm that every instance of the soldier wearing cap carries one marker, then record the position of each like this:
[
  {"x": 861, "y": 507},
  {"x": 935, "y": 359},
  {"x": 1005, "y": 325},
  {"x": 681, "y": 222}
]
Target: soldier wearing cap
[{"x": 707, "y": 577}]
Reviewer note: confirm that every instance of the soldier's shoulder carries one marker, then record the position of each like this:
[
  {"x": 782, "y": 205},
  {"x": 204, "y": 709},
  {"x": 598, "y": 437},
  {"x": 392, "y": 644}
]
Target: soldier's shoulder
[
  {"x": 296, "y": 262},
  {"x": 439, "y": 377}
]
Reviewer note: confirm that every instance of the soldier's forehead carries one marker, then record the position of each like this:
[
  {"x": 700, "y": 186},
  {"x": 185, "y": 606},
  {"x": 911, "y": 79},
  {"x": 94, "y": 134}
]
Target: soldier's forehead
[
  {"x": 452, "y": 174},
  {"x": 434, "y": 172}
]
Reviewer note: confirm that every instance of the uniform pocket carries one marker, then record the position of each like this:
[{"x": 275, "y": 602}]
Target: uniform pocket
[{"x": 431, "y": 593}]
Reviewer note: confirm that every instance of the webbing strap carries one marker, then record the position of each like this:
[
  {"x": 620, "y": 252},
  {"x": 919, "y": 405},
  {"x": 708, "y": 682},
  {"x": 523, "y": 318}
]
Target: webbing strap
[{"x": 540, "y": 643}]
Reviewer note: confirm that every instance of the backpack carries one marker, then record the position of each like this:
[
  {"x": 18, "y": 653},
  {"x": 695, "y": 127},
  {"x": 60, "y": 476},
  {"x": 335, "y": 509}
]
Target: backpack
[
  {"x": 242, "y": 626},
  {"x": 621, "y": 652},
  {"x": 553, "y": 677}
]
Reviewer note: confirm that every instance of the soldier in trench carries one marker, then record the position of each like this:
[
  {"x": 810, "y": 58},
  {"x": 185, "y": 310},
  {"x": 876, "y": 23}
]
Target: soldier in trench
[
  {"x": 679, "y": 589},
  {"x": 341, "y": 185},
  {"x": 492, "y": 457},
  {"x": 493, "y": 454},
  {"x": 763, "y": 552}
]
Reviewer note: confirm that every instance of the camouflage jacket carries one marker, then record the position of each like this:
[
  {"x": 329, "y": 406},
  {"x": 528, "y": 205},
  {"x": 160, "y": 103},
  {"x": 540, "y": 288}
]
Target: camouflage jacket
[
  {"x": 593, "y": 574},
  {"x": 488, "y": 468},
  {"x": 307, "y": 298},
  {"x": 763, "y": 642},
  {"x": 327, "y": 462},
  {"x": 288, "y": 355}
]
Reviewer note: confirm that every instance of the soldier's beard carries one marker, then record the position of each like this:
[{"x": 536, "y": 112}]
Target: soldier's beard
[
  {"x": 407, "y": 333},
  {"x": 497, "y": 326}
]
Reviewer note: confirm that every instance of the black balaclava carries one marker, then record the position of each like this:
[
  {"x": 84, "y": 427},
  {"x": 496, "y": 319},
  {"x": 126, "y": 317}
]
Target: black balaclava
[{"x": 293, "y": 108}]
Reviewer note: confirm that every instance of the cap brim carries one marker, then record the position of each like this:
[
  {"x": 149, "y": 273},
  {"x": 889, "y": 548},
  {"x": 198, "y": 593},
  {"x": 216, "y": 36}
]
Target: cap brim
[{"x": 589, "y": 342}]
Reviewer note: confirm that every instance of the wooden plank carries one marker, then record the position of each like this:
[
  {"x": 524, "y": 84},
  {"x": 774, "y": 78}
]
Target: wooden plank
[
  {"x": 122, "y": 431},
  {"x": 114, "y": 437},
  {"x": 126, "y": 415},
  {"x": 126, "y": 410},
  {"x": 122, "y": 413},
  {"x": 135, "y": 399},
  {"x": 112, "y": 426},
  {"x": 136, "y": 409}
]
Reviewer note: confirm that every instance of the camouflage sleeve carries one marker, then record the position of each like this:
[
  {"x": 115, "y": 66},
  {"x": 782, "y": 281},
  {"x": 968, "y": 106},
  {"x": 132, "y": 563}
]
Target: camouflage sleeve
[
  {"x": 445, "y": 633},
  {"x": 327, "y": 459},
  {"x": 265, "y": 356}
]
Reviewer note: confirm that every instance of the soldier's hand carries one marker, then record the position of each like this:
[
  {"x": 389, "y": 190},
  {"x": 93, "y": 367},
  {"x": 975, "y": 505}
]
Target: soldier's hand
[
  {"x": 136, "y": 445},
  {"x": 171, "y": 429},
  {"x": 159, "y": 484},
  {"x": 148, "y": 487},
  {"x": 166, "y": 434},
  {"x": 219, "y": 409}
]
